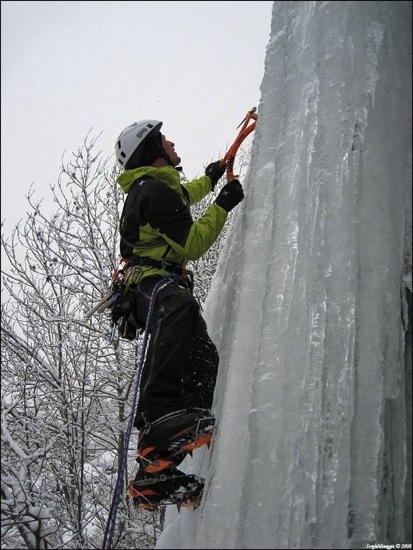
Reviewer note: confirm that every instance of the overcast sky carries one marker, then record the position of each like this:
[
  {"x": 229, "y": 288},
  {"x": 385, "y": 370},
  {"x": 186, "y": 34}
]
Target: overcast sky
[{"x": 69, "y": 68}]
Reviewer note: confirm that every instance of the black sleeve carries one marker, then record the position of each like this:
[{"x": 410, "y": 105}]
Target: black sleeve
[{"x": 130, "y": 221}]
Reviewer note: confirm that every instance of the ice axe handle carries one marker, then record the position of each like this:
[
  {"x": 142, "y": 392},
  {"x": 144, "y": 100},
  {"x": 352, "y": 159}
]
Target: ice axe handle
[{"x": 246, "y": 129}]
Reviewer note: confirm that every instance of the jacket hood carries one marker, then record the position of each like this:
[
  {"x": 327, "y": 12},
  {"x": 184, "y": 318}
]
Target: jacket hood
[{"x": 168, "y": 174}]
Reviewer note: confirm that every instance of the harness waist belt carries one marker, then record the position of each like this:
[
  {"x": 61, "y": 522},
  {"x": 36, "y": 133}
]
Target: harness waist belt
[{"x": 150, "y": 262}]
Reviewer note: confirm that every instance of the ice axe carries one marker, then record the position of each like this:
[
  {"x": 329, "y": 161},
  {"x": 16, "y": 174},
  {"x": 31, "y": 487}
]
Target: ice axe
[{"x": 247, "y": 126}]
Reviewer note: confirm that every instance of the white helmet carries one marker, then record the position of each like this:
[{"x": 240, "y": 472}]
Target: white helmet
[{"x": 131, "y": 142}]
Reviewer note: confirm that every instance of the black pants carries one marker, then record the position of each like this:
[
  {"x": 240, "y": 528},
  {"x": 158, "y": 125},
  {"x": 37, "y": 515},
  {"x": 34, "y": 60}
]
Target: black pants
[{"x": 181, "y": 363}]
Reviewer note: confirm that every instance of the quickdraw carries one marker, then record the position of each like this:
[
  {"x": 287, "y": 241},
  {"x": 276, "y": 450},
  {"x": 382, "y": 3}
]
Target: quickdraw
[
  {"x": 118, "y": 283},
  {"x": 247, "y": 126}
]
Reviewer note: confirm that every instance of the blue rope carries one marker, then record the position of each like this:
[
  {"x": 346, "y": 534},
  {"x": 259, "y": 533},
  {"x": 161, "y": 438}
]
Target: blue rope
[{"x": 119, "y": 483}]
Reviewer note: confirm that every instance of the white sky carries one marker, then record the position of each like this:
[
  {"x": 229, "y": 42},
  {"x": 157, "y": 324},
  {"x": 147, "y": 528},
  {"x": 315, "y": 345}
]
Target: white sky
[{"x": 71, "y": 67}]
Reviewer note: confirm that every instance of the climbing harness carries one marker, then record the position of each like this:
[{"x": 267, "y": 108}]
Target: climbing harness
[
  {"x": 247, "y": 126},
  {"x": 159, "y": 264},
  {"x": 121, "y": 297},
  {"x": 110, "y": 526}
]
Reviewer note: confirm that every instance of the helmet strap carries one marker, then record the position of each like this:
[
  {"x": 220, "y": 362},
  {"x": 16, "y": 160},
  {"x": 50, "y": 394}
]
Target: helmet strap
[{"x": 153, "y": 150}]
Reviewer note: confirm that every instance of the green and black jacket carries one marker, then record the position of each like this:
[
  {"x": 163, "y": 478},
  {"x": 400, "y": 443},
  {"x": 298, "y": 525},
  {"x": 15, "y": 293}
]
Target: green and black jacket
[{"x": 158, "y": 221}]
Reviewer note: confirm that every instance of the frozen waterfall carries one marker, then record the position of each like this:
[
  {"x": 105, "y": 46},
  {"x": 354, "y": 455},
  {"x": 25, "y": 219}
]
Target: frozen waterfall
[{"x": 309, "y": 304}]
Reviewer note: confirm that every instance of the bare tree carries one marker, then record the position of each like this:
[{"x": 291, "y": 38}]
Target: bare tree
[{"x": 65, "y": 386}]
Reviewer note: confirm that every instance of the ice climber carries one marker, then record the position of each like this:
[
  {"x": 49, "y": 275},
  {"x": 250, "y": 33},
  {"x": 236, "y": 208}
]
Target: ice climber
[{"x": 158, "y": 238}]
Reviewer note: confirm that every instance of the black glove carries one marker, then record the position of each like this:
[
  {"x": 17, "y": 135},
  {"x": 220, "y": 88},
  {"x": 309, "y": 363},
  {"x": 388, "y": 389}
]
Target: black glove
[
  {"x": 230, "y": 195},
  {"x": 215, "y": 171}
]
